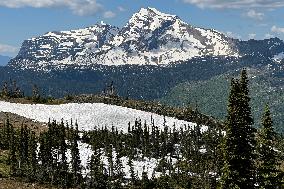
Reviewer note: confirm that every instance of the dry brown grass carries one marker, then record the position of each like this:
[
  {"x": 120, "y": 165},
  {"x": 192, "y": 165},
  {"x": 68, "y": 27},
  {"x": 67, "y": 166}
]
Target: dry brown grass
[
  {"x": 17, "y": 121},
  {"x": 6, "y": 183}
]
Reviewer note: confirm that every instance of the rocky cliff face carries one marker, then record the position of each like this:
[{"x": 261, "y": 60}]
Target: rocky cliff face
[
  {"x": 149, "y": 37},
  {"x": 62, "y": 47}
]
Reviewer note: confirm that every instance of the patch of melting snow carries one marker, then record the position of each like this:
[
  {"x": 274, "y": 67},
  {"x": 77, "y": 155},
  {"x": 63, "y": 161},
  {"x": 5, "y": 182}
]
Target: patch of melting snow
[{"x": 91, "y": 115}]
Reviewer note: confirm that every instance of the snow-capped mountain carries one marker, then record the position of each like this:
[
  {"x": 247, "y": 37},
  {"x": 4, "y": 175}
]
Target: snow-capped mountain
[
  {"x": 62, "y": 47},
  {"x": 152, "y": 37},
  {"x": 149, "y": 38}
]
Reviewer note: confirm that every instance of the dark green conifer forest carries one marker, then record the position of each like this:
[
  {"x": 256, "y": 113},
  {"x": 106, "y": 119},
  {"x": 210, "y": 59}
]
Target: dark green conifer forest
[{"x": 232, "y": 155}]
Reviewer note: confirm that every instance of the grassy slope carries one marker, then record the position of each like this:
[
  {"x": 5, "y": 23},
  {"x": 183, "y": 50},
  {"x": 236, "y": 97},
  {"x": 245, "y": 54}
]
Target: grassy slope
[
  {"x": 7, "y": 182},
  {"x": 208, "y": 96},
  {"x": 211, "y": 96}
]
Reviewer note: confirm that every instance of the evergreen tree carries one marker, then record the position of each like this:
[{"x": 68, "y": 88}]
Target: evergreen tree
[
  {"x": 16, "y": 92},
  {"x": 5, "y": 90},
  {"x": 7, "y": 134},
  {"x": 239, "y": 144},
  {"x": 109, "y": 153},
  {"x": 119, "y": 173},
  {"x": 45, "y": 157},
  {"x": 267, "y": 155},
  {"x": 35, "y": 93},
  {"x": 2, "y": 138},
  {"x": 32, "y": 156},
  {"x": 97, "y": 176},
  {"x": 163, "y": 182},
  {"x": 75, "y": 161},
  {"x": 63, "y": 165},
  {"x": 12, "y": 159},
  {"x": 145, "y": 182},
  {"x": 131, "y": 170},
  {"x": 23, "y": 147}
]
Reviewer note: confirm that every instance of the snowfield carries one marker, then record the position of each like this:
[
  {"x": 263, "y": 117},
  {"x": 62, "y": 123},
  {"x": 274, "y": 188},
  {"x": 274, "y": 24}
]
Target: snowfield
[
  {"x": 145, "y": 164},
  {"x": 86, "y": 153},
  {"x": 90, "y": 115}
]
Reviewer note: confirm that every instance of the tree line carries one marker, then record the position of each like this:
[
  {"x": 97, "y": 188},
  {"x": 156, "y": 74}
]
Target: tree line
[{"x": 235, "y": 156}]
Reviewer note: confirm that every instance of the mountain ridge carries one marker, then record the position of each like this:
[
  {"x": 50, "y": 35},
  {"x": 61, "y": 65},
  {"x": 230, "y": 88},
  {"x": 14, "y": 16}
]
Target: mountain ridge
[
  {"x": 150, "y": 37},
  {"x": 162, "y": 79}
]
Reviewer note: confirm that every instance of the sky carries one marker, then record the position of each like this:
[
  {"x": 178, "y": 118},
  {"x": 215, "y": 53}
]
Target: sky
[{"x": 243, "y": 19}]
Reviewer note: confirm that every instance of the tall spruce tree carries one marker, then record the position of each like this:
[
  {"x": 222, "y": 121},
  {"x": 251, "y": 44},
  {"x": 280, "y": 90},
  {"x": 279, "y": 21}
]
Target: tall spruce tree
[
  {"x": 97, "y": 177},
  {"x": 63, "y": 165},
  {"x": 239, "y": 144},
  {"x": 267, "y": 155},
  {"x": 7, "y": 134},
  {"x": 75, "y": 161},
  {"x": 119, "y": 173},
  {"x": 109, "y": 152},
  {"x": 23, "y": 147},
  {"x": 131, "y": 170},
  {"x": 45, "y": 156},
  {"x": 32, "y": 156},
  {"x": 12, "y": 159}
]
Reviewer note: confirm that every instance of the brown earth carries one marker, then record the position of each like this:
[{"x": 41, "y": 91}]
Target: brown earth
[
  {"x": 6, "y": 183},
  {"x": 17, "y": 121}
]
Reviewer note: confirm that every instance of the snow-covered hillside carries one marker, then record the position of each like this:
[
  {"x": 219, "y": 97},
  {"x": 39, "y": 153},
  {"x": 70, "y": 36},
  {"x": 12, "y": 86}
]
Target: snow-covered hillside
[
  {"x": 149, "y": 37},
  {"x": 89, "y": 116},
  {"x": 64, "y": 47},
  {"x": 94, "y": 115},
  {"x": 144, "y": 164}
]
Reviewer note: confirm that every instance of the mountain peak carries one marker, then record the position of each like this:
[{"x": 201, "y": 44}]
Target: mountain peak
[
  {"x": 102, "y": 23},
  {"x": 149, "y": 11},
  {"x": 150, "y": 18},
  {"x": 149, "y": 37},
  {"x": 157, "y": 12}
]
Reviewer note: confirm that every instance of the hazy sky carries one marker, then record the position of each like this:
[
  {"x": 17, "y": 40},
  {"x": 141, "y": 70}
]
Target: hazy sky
[{"x": 244, "y": 19}]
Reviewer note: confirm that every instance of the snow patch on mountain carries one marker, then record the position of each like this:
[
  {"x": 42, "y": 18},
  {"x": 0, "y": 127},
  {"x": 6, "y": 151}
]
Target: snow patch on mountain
[
  {"x": 143, "y": 164},
  {"x": 86, "y": 152},
  {"x": 98, "y": 115},
  {"x": 279, "y": 57},
  {"x": 90, "y": 116}
]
